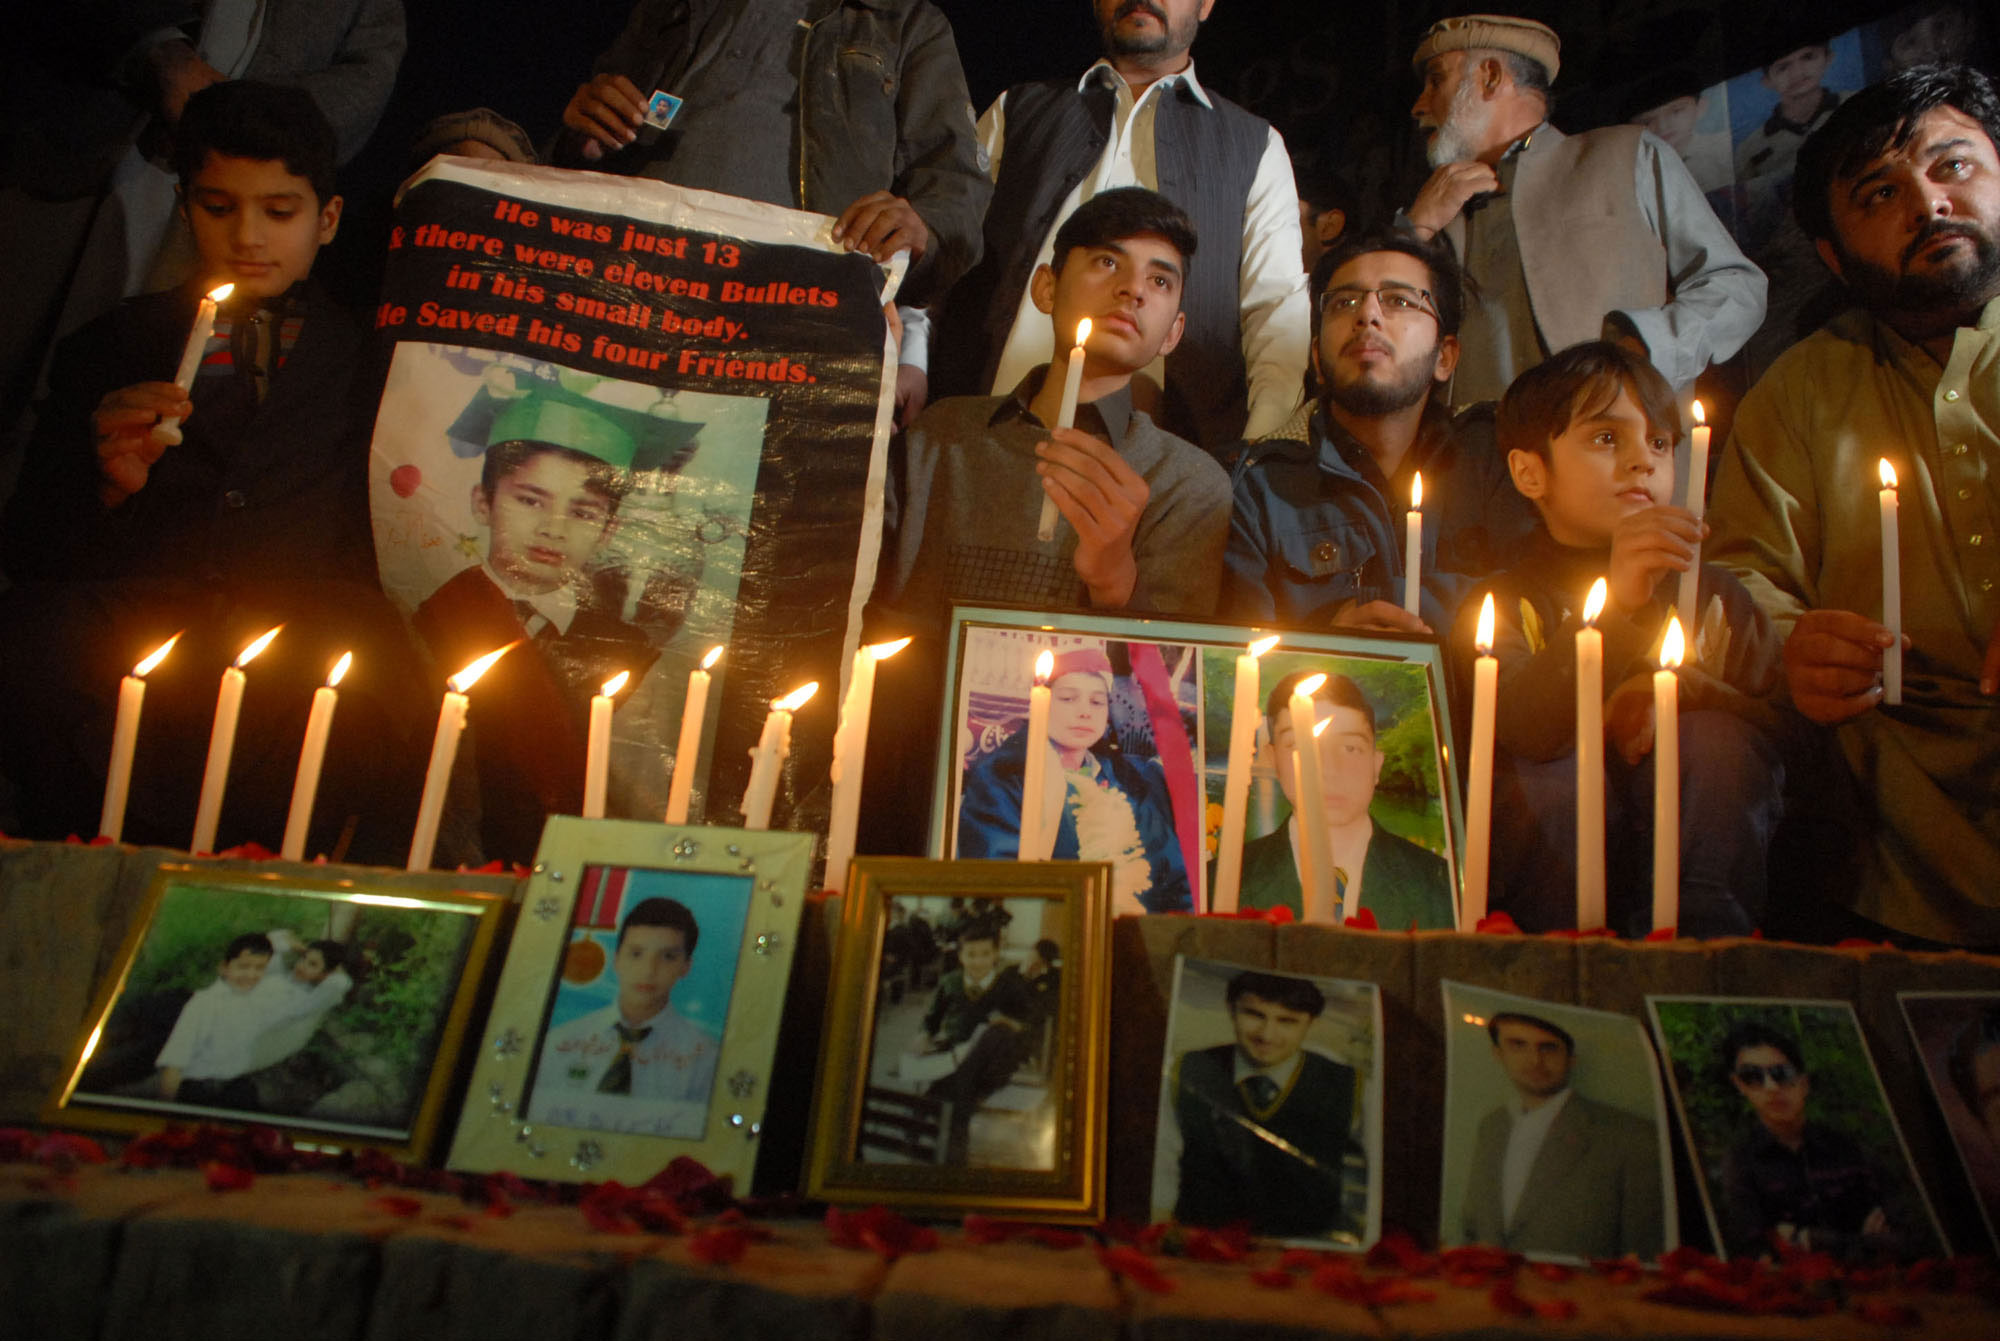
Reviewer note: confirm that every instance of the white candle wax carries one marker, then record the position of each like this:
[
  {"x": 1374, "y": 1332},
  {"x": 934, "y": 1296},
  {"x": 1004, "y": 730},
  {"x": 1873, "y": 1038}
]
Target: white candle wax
[
  {"x": 1413, "y": 547},
  {"x": 768, "y": 759},
  {"x": 1479, "y": 775},
  {"x": 1697, "y": 503},
  {"x": 689, "y": 748},
  {"x": 1590, "y": 767},
  {"x": 437, "y": 779},
  {"x": 312, "y": 758},
  {"x": 125, "y": 740},
  {"x": 1667, "y": 783},
  {"x": 1308, "y": 876},
  {"x": 597, "y": 752},
  {"x": 1892, "y": 591},
  {"x": 1065, "y": 418},
  {"x": 1033, "y": 844},
  {"x": 1245, "y": 713},
  {"x": 204, "y": 327},
  {"x": 215, "y": 776},
  {"x": 1320, "y": 901},
  {"x": 850, "y": 752}
]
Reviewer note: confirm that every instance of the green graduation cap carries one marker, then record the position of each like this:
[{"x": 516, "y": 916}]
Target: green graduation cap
[{"x": 625, "y": 439}]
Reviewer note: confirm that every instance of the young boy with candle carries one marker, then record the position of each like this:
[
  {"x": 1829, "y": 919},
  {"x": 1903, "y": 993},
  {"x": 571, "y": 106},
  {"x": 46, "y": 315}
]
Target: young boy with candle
[
  {"x": 1589, "y": 437},
  {"x": 253, "y": 513}
]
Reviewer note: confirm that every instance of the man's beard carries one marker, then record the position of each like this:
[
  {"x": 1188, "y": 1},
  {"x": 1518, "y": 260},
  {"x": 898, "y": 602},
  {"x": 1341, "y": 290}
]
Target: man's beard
[
  {"x": 1939, "y": 292},
  {"x": 1169, "y": 38},
  {"x": 1371, "y": 399},
  {"x": 1458, "y": 137}
]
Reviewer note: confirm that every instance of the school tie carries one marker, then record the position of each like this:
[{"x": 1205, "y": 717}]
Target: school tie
[
  {"x": 1262, "y": 1091},
  {"x": 533, "y": 622},
  {"x": 618, "y": 1075}
]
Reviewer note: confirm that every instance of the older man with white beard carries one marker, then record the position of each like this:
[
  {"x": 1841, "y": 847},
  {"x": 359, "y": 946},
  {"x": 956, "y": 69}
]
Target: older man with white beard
[{"x": 1564, "y": 238}]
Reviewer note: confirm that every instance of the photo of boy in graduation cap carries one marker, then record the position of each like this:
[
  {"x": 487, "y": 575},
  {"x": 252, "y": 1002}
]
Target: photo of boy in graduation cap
[{"x": 557, "y": 464}]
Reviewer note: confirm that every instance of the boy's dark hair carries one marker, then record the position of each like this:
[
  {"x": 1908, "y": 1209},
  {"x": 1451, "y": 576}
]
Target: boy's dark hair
[
  {"x": 1298, "y": 994},
  {"x": 1574, "y": 384},
  {"x": 1049, "y": 951},
  {"x": 243, "y": 118},
  {"x": 504, "y": 458},
  {"x": 1338, "y": 690},
  {"x": 1129, "y": 211},
  {"x": 980, "y": 929},
  {"x": 1447, "y": 290},
  {"x": 1756, "y": 1034},
  {"x": 331, "y": 953},
  {"x": 669, "y": 913},
  {"x": 1494, "y": 1022},
  {"x": 250, "y": 942},
  {"x": 1980, "y": 1034},
  {"x": 1878, "y": 119}
]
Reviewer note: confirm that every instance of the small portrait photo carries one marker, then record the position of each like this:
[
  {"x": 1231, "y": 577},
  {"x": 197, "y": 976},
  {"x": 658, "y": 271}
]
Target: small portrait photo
[
  {"x": 1387, "y": 813},
  {"x": 1123, "y": 738},
  {"x": 1271, "y": 1105},
  {"x": 1556, "y": 1141},
  {"x": 1791, "y": 1132},
  {"x": 640, "y": 1003},
  {"x": 298, "y": 1007},
  {"x": 966, "y": 1030},
  {"x": 1958, "y": 1036},
  {"x": 1692, "y": 118},
  {"x": 1772, "y": 109},
  {"x": 1934, "y": 32}
]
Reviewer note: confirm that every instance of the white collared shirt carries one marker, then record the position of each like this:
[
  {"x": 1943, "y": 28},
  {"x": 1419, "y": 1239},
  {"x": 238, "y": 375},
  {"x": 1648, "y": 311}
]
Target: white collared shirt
[
  {"x": 676, "y": 1059},
  {"x": 213, "y": 1034},
  {"x": 1524, "y": 1144},
  {"x": 556, "y": 607},
  {"x": 1279, "y": 1075}
]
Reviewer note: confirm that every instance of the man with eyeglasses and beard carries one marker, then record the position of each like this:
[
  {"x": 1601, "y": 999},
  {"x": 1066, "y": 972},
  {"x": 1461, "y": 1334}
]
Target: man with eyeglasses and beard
[
  {"x": 1317, "y": 534},
  {"x": 1900, "y": 192},
  {"x": 1793, "y": 1181}
]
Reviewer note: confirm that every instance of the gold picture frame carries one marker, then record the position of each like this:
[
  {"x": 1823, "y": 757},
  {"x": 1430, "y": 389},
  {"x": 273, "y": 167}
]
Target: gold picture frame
[
  {"x": 932, "y": 1094},
  {"x": 212, "y": 1012},
  {"x": 694, "y": 1026}
]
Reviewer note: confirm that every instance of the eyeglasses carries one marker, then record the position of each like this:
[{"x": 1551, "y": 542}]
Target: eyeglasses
[
  {"x": 1398, "y": 301},
  {"x": 1780, "y": 1074}
]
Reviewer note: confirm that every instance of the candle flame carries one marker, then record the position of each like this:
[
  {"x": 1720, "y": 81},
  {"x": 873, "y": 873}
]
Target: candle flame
[
  {"x": 1319, "y": 727},
  {"x": 145, "y": 667},
  {"x": 1888, "y": 473},
  {"x": 616, "y": 683},
  {"x": 714, "y": 655},
  {"x": 1045, "y": 664},
  {"x": 793, "y": 701},
  {"x": 883, "y": 651},
  {"x": 339, "y": 671},
  {"x": 1484, "y": 639},
  {"x": 1082, "y": 332},
  {"x": 1263, "y": 645},
  {"x": 249, "y": 654},
  {"x": 1699, "y": 417},
  {"x": 1416, "y": 490},
  {"x": 1674, "y": 646},
  {"x": 1593, "y": 604},
  {"x": 220, "y": 292},
  {"x": 1309, "y": 686},
  {"x": 465, "y": 679}
]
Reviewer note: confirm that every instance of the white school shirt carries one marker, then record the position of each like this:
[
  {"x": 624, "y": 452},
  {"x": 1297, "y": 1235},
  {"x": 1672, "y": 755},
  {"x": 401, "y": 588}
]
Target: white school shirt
[
  {"x": 675, "y": 1061},
  {"x": 213, "y": 1035}
]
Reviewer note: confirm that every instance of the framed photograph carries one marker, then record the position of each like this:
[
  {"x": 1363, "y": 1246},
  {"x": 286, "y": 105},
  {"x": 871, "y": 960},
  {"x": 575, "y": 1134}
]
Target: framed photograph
[
  {"x": 1791, "y": 1133},
  {"x": 638, "y": 1009},
  {"x": 329, "y": 1009},
  {"x": 964, "y": 1064},
  {"x": 1139, "y": 726},
  {"x": 1271, "y": 1105},
  {"x": 1958, "y": 1036},
  {"x": 1555, "y": 1131}
]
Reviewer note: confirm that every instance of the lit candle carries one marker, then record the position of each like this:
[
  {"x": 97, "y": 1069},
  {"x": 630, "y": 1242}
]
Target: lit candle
[
  {"x": 1590, "y": 763},
  {"x": 685, "y": 753},
  {"x": 1318, "y": 896},
  {"x": 444, "y": 749},
  {"x": 1243, "y": 719},
  {"x": 1308, "y": 878},
  {"x": 1413, "y": 544},
  {"x": 1892, "y": 591},
  {"x": 312, "y": 756},
  {"x": 221, "y": 745},
  {"x": 1697, "y": 503},
  {"x": 1065, "y": 418},
  {"x": 125, "y": 739},
  {"x": 1667, "y": 780},
  {"x": 1034, "y": 774},
  {"x": 169, "y": 428},
  {"x": 597, "y": 756},
  {"x": 1479, "y": 775},
  {"x": 768, "y": 759},
  {"x": 850, "y": 750}
]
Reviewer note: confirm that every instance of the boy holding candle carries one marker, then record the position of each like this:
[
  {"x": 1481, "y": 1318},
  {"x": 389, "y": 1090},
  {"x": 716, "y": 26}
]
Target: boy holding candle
[{"x": 1589, "y": 438}]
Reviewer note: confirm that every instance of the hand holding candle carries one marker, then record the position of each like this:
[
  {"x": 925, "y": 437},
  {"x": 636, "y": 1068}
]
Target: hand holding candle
[
  {"x": 125, "y": 740},
  {"x": 1479, "y": 775},
  {"x": 1032, "y": 846},
  {"x": 850, "y": 751},
  {"x": 444, "y": 750},
  {"x": 1590, "y": 763},
  {"x": 222, "y": 745},
  {"x": 1667, "y": 780},
  {"x": 1065, "y": 418},
  {"x": 312, "y": 758},
  {"x": 1413, "y": 546},
  {"x": 1892, "y": 589},
  {"x": 1697, "y": 503},
  {"x": 773, "y": 746},
  {"x": 1245, "y": 714},
  {"x": 168, "y": 430},
  {"x": 597, "y": 758},
  {"x": 686, "y": 752}
]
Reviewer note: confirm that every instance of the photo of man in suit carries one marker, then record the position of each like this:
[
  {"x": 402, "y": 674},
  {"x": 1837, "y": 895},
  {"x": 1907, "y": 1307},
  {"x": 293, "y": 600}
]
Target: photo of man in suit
[{"x": 1552, "y": 1172}]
